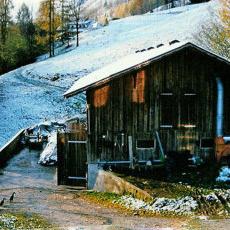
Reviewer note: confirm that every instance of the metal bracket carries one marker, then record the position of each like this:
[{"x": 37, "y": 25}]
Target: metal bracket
[{"x": 77, "y": 142}]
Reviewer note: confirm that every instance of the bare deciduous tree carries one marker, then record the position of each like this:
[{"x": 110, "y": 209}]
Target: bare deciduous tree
[{"x": 75, "y": 13}]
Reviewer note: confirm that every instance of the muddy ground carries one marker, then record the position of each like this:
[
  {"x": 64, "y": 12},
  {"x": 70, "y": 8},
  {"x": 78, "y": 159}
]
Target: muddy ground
[{"x": 37, "y": 192}]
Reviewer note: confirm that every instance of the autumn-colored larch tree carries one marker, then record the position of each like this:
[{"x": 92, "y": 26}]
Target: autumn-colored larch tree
[{"x": 47, "y": 22}]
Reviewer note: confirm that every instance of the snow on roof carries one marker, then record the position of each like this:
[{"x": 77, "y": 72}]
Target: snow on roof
[{"x": 132, "y": 62}]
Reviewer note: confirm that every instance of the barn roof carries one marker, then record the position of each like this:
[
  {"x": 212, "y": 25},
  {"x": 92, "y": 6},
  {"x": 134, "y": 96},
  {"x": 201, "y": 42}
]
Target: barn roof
[{"x": 132, "y": 62}]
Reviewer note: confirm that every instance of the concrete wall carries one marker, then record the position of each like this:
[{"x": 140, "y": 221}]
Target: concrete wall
[
  {"x": 10, "y": 148},
  {"x": 109, "y": 182},
  {"x": 92, "y": 175}
]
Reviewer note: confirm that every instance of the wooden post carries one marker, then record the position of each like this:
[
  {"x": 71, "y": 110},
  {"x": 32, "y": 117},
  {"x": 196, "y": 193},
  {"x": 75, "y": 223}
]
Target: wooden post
[
  {"x": 131, "y": 151},
  {"x": 88, "y": 119},
  {"x": 160, "y": 145}
]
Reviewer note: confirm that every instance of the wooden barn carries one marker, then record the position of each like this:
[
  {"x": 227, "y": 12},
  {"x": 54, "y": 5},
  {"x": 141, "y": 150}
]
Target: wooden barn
[{"x": 171, "y": 98}]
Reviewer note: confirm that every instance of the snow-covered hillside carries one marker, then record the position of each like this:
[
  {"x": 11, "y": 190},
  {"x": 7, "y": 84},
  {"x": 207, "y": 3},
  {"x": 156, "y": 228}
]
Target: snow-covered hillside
[
  {"x": 32, "y": 93},
  {"x": 120, "y": 38}
]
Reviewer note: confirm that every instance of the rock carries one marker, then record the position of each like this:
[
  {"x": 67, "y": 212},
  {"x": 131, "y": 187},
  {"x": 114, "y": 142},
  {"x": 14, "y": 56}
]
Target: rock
[
  {"x": 211, "y": 198},
  {"x": 55, "y": 78},
  {"x": 203, "y": 217}
]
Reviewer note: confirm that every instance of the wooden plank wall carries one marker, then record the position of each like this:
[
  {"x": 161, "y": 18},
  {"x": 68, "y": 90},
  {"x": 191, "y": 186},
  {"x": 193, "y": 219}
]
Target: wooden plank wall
[{"x": 132, "y": 105}]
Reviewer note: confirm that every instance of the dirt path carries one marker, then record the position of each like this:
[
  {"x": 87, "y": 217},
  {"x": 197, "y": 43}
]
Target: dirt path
[
  {"x": 61, "y": 208},
  {"x": 36, "y": 192}
]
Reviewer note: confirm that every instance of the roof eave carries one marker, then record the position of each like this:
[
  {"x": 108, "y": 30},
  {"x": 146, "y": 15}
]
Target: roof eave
[
  {"x": 135, "y": 67},
  {"x": 143, "y": 64}
]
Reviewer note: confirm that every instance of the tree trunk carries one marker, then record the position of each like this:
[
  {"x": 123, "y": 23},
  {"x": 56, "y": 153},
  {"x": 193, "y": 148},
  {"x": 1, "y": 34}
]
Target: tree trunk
[
  {"x": 50, "y": 27},
  {"x": 77, "y": 32}
]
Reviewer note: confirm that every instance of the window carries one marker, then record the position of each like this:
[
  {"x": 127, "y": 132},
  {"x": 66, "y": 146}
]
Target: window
[
  {"x": 146, "y": 144},
  {"x": 206, "y": 143},
  {"x": 167, "y": 110},
  {"x": 145, "y": 149},
  {"x": 188, "y": 110}
]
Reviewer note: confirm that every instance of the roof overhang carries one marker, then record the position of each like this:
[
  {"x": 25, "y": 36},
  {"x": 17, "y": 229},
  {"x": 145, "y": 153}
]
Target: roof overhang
[{"x": 131, "y": 63}]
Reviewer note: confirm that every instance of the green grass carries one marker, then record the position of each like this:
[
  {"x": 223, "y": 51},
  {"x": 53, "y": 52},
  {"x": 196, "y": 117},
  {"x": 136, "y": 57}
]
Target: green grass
[
  {"x": 103, "y": 196},
  {"x": 194, "y": 182},
  {"x": 23, "y": 221},
  {"x": 108, "y": 200},
  {"x": 158, "y": 188}
]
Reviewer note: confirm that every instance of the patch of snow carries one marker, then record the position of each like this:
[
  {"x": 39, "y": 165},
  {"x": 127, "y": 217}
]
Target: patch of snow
[
  {"x": 184, "y": 205},
  {"x": 49, "y": 154},
  {"x": 47, "y": 132},
  {"x": 8, "y": 221},
  {"x": 225, "y": 194},
  {"x": 203, "y": 217},
  {"x": 224, "y": 174}
]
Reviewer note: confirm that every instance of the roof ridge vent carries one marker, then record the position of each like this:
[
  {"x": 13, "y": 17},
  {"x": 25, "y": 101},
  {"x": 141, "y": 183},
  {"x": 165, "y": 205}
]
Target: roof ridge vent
[
  {"x": 150, "y": 48},
  {"x": 173, "y": 42},
  {"x": 160, "y": 45}
]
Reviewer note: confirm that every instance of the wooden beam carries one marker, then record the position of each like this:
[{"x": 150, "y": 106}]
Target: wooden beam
[{"x": 130, "y": 140}]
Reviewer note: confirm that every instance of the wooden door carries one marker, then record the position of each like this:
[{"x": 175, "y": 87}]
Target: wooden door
[{"x": 72, "y": 159}]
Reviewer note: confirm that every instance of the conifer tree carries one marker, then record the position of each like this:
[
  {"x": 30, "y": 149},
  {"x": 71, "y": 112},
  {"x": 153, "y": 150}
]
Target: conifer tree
[
  {"x": 65, "y": 11},
  {"x": 26, "y": 26},
  {"x": 5, "y": 8}
]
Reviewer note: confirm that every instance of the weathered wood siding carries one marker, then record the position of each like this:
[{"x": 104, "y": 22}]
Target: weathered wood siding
[{"x": 177, "y": 90}]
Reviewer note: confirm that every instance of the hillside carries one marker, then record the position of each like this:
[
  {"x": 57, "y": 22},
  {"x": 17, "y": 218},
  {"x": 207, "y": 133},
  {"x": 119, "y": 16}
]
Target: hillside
[
  {"x": 120, "y": 8},
  {"x": 34, "y": 93},
  {"x": 94, "y": 8},
  {"x": 120, "y": 38}
]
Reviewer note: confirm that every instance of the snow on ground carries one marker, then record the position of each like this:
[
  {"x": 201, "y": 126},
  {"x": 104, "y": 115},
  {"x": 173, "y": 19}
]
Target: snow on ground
[
  {"x": 49, "y": 154},
  {"x": 224, "y": 174},
  {"x": 34, "y": 93},
  {"x": 120, "y": 38},
  {"x": 24, "y": 103},
  {"x": 183, "y": 206}
]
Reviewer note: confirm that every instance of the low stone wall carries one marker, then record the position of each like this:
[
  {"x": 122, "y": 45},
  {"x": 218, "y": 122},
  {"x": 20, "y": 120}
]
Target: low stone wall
[
  {"x": 11, "y": 148},
  {"x": 109, "y": 182}
]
